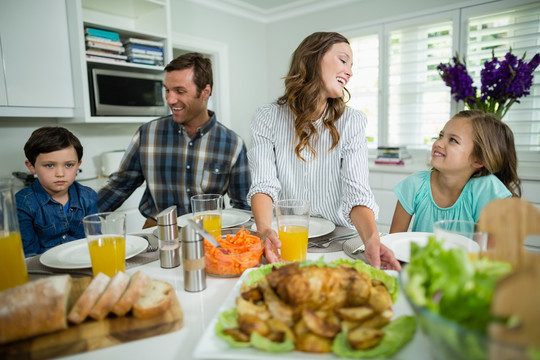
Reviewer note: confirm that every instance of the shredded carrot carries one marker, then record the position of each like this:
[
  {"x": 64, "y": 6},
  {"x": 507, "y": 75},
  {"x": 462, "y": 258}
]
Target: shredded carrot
[{"x": 245, "y": 251}]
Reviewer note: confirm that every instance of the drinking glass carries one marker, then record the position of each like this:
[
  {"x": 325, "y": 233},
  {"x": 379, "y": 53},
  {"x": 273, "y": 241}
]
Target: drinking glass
[
  {"x": 208, "y": 207},
  {"x": 12, "y": 265},
  {"x": 292, "y": 217},
  {"x": 106, "y": 235},
  {"x": 461, "y": 233}
]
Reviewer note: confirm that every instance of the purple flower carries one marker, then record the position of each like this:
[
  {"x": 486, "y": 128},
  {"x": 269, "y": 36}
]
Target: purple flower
[{"x": 503, "y": 82}]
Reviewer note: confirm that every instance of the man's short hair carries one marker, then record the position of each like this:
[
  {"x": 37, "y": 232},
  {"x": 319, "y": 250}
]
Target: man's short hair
[{"x": 201, "y": 65}]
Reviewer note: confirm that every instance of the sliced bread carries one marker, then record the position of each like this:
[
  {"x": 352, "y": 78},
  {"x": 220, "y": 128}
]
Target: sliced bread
[
  {"x": 155, "y": 300},
  {"x": 110, "y": 296},
  {"x": 88, "y": 298},
  {"x": 136, "y": 286},
  {"x": 35, "y": 308}
]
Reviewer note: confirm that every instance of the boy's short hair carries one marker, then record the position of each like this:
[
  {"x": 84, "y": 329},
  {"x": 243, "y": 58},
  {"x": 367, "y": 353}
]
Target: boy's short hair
[{"x": 48, "y": 139}]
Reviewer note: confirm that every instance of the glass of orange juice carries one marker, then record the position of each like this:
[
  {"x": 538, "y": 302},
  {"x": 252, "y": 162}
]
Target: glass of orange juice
[
  {"x": 12, "y": 265},
  {"x": 292, "y": 217},
  {"x": 106, "y": 236},
  {"x": 208, "y": 207}
]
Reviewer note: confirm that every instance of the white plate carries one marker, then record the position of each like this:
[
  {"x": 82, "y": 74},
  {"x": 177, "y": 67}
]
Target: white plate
[
  {"x": 229, "y": 218},
  {"x": 212, "y": 347},
  {"x": 317, "y": 227},
  {"x": 400, "y": 243},
  {"x": 75, "y": 254}
]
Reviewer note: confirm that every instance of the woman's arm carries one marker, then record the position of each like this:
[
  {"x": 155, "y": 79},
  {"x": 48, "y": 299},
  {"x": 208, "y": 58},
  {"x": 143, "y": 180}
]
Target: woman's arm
[
  {"x": 377, "y": 254},
  {"x": 401, "y": 219},
  {"x": 262, "y": 208}
]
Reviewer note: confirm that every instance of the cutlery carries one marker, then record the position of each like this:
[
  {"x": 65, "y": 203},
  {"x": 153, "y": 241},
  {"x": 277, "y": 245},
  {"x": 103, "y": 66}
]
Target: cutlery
[
  {"x": 327, "y": 243},
  {"x": 209, "y": 237},
  {"x": 360, "y": 250}
]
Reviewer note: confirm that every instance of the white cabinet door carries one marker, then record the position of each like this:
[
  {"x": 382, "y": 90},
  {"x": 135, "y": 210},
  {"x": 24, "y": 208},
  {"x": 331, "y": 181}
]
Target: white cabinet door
[
  {"x": 35, "y": 53},
  {"x": 3, "y": 93}
]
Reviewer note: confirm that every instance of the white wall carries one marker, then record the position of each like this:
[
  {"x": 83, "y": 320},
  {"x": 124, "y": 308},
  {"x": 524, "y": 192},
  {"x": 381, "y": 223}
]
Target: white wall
[{"x": 258, "y": 58}]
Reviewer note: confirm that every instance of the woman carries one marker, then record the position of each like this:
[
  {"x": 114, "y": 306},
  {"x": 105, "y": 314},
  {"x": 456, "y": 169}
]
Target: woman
[{"x": 309, "y": 145}]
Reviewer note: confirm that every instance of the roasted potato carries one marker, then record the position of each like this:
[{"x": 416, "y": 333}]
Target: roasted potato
[
  {"x": 254, "y": 295},
  {"x": 276, "y": 306},
  {"x": 278, "y": 326},
  {"x": 319, "y": 325},
  {"x": 237, "y": 334},
  {"x": 380, "y": 299},
  {"x": 357, "y": 313},
  {"x": 245, "y": 307},
  {"x": 375, "y": 322},
  {"x": 362, "y": 338},
  {"x": 312, "y": 343},
  {"x": 249, "y": 323},
  {"x": 300, "y": 328}
]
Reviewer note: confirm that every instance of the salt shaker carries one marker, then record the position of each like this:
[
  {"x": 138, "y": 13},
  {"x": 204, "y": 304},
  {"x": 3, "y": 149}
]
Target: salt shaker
[
  {"x": 193, "y": 259},
  {"x": 169, "y": 247}
]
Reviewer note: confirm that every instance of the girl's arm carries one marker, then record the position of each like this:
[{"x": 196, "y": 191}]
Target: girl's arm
[
  {"x": 401, "y": 219},
  {"x": 378, "y": 255}
]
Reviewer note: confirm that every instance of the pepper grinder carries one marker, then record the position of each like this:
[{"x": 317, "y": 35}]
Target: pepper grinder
[
  {"x": 169, "y": 246},
  {"x": 193, "y": 258}
]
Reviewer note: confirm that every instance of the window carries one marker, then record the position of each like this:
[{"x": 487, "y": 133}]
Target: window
[
  {"x": 412, "y": 101},
  {"x": 365, "y": 81},
  {"x": 498, "y": 31}
]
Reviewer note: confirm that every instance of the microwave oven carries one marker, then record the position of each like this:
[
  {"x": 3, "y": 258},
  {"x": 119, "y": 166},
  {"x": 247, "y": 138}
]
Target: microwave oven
[{"x": 126, "y": 93}]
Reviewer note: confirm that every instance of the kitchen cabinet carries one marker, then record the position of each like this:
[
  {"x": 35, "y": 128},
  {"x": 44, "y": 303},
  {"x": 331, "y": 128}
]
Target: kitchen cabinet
[
  {"x": 35, "y": 75},
  {"x": 142, "y": 19}
]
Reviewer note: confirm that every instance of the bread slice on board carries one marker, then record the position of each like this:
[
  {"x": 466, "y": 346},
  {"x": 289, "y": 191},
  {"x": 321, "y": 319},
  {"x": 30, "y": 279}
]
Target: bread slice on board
[
  {"x": 35, "y": 308},
  {"x": 110, "y": 296},
  {"x": 79, "y": 312},
  {"x": 154, "y": 301},
  {"x": 136, "y": 286}
]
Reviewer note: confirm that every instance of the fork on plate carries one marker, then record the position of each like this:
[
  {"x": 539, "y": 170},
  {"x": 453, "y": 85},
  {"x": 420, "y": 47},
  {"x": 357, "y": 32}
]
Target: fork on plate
[{"x": 327, "y": 243}]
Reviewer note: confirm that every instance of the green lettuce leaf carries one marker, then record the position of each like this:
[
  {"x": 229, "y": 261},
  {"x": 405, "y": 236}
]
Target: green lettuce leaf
[
  {"x": 398, "y": 333},
  {"x": 260, "y": 342}
]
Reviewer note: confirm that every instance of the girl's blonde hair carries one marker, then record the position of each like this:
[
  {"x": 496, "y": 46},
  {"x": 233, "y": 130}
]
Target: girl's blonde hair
[
  {"x": 302, "y": 88},
  {"x": 494, "y": 147}
]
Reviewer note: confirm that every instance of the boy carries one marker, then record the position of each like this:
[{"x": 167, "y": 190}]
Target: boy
[{"x": 51, "y": 209}]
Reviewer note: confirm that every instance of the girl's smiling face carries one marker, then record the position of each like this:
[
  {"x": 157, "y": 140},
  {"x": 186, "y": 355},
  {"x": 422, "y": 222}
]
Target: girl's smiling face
[
  {"x": 336, "y": 70},
  {"x": 452, "y": 150}
]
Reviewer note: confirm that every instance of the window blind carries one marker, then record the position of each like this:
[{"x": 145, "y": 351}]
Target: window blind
[
  {"x": 364, "y": 84},
  {"x": 418, "y": 101},
  {"x": 499, "y": 31}
]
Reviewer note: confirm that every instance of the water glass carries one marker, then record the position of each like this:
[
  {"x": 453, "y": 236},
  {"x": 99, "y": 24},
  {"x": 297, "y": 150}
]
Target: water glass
[
  {"x": 463, "y": 234},
  {"x": 208, "y": 207},
  {"x": 292, "y": 217},
  {"x": 12, "y": 265},
  {"x": 106, "y": 236}
]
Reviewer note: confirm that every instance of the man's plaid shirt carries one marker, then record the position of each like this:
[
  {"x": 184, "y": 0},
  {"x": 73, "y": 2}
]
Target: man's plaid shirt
[{"x": 176, "y": 167}]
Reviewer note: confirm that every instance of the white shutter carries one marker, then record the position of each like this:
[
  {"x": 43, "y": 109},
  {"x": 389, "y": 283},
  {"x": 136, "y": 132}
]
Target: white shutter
[
  {"x": 519, "y": 29},
  {"x": 364, "y": 84},
  {"x": 418, "y": 100}
]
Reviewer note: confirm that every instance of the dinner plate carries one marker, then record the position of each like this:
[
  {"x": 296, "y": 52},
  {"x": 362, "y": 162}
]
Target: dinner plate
[
  {"x": 317, "y": 227},
  {"x": 75, "y": 254},
  {"x": 400, "y": 243},
  {"x": 229, "y": 218},
  {"x": 212, "y": 347}
]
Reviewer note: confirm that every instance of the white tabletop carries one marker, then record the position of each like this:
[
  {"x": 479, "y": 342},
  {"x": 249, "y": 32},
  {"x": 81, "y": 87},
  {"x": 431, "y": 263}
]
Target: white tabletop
[{"x": 198, "y": 308}]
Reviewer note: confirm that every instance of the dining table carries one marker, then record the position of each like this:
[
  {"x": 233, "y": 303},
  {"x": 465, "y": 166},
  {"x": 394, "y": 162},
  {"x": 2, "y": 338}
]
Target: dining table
[{"x": 201, "y": 308}]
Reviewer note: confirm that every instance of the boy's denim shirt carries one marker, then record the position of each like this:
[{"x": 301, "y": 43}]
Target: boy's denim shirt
[{"x": 43, "y": 221}]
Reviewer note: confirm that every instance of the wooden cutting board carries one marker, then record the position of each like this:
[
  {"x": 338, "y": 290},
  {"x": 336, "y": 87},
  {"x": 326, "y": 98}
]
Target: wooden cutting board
[{"x": 92, "y": 334}]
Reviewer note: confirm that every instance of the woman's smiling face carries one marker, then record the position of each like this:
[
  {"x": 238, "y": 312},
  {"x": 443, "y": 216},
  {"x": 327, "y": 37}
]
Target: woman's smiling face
[{"x": 336, "y": 70}]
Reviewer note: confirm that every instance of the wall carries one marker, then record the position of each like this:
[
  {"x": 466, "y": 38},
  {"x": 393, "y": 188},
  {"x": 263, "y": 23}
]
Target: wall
[{"x": 247, "y": 56}]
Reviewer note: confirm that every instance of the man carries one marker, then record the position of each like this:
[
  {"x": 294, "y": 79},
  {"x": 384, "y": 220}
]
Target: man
[{"x": 183, "y": 154}]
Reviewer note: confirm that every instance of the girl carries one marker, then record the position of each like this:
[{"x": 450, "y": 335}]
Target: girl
[
  {"x": 309, "y": 145},
  {"x": 474, "y": 161}
]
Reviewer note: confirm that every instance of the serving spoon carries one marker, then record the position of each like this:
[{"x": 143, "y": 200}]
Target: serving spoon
[{"x": 209, "y": 237}]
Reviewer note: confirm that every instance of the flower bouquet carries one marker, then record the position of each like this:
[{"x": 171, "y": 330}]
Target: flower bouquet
[{"x": 503, "y": 82}]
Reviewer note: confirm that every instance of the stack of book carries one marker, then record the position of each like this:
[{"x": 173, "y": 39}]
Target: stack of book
[
  {"x": 141, "y": 51},
  {"x": 104, "y": 45},
  {"x": 392, "y": 155}
]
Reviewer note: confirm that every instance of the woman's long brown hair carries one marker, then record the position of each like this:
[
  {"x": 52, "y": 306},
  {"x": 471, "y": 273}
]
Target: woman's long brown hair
[
  {"x": 302, "y": 88},
  {"x": 494, "y": 147}
]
